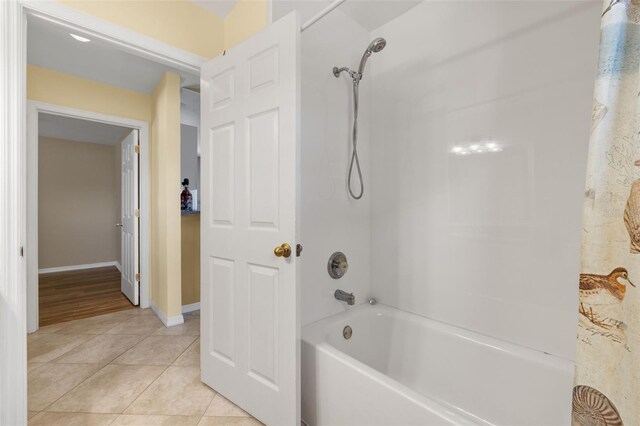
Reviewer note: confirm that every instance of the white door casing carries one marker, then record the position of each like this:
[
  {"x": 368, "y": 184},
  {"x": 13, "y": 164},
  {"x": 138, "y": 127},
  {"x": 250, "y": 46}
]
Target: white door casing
[
  {"x": 129, "y": 236},
  {"x": 250, "y": 298}
]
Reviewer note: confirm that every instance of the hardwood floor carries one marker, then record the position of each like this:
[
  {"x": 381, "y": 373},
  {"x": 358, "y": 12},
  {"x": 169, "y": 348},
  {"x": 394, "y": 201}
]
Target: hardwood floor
[{"x": 66, "y": 296}]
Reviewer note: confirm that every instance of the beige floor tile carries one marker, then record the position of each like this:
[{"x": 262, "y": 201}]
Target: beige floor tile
[
  {"x": 33, "y": 366},
  {"x": 222, "y": 407},
  {"x": 178, "y": 391},
  {"x": 224, "y": 421},
  {"x": 51, "y": 381},
  {"x": 146, "y": 311},
  {"x": 94, "y": 325},
  {"x": 196, "y": 313},
  {"x": 190, "y": 357},
  {"x": 155, "y": 420},
  {"x": 122, "y": 315},
  {"x": 51, "y": 346},
  {"x": 138, "y": 325},
  {"x": 33, "y": 337},
  {"x": 99, "y": 349},
  {"x": 111, "y": 390},
  {"x": 156, "y": 350},
  {"x": 30, "y": 414},
  {"x": 191, "y": 327},
  {"x": 49, "y": 329},
  {"x": 72, "y": 419}
]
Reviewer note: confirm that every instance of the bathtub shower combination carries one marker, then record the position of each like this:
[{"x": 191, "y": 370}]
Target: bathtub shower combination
[{"x": 446, "y": 180}]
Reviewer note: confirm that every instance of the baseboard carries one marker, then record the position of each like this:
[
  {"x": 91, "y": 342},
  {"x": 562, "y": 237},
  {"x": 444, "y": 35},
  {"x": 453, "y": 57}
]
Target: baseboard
[
  {"x": 168, "y": 322},
  {"x": 191, "y": 307},
  {"x": 78, "y": 267},
  {"x": 117, "y": 265}
]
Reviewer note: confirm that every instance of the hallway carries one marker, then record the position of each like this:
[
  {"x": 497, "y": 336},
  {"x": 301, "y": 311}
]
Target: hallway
[
  {"x": 123, "y": 368},
  {"x": 71, "y": 295}
]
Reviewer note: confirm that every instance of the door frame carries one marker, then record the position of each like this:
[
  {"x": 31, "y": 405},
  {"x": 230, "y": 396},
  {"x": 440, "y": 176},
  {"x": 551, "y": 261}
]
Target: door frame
[
  {"x": 34, "y": 108},
  {"x": 13, "y": 163}
]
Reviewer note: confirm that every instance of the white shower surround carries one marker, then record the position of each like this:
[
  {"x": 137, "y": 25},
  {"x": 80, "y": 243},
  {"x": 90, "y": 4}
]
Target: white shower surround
[
  {"x": 488, "y": 243},
  {"x": 330, "y": 220}
]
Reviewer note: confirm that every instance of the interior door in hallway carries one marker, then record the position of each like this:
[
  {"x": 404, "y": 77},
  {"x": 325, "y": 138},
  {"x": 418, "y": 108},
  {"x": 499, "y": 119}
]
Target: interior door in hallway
[
  {"x": 250, "y": 349},
  {"x": 130, "y": 218}
]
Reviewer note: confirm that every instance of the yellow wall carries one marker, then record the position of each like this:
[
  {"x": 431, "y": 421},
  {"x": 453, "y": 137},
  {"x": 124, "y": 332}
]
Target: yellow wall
[
  {"x": 180, "y": 23},
  {"x": 57, "y": 88},
  {"x": 165, "y": 207},
  {"x": 162, "y": 111},
  {"x": 247, "y": 18},
  {"x": 190, "y": 259}
]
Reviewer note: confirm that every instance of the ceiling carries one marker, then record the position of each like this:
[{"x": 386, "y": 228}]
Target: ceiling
[
  {"x": 50, "y": 46},
  {"x": 370, "y": 14},
  {"x": 74, "y": 129}
]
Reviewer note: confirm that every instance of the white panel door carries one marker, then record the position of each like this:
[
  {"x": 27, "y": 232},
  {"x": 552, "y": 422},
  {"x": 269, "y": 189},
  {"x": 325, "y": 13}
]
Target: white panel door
[
  {"x": 130, "y": 220},
  {"x": 250, "y": 347}
]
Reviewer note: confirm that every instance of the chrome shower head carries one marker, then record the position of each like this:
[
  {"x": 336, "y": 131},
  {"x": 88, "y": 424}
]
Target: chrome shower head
[{"x": 376, "y": 45}]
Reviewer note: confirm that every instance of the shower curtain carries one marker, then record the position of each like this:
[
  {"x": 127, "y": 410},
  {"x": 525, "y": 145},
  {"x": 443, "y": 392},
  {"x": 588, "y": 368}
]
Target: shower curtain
[{"x": 607, "y": 376}]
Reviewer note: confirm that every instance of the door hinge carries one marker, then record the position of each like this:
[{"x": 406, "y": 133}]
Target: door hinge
[
  {"x": 21, "y": 251},
  {"x": 136, "y": 212},
  {"x": 138, "y": 277},
  {"x": 136, "y": 149}
]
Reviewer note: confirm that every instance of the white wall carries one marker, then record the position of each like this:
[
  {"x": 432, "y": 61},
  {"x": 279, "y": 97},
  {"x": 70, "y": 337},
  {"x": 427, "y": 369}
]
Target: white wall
[
  {"x": 330, "y": 220},
  {"x": 489, "y": 242}
]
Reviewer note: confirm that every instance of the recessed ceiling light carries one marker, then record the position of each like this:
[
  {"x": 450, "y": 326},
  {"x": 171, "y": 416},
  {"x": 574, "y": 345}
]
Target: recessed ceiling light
[{"x": 79, "y": 38}]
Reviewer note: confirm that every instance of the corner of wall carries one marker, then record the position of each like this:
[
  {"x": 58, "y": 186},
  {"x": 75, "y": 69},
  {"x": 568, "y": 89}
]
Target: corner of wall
[{"x": 166, "y": 262}]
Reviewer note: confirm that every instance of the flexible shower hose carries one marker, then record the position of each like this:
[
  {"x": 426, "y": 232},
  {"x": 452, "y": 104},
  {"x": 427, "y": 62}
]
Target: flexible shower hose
[{"x": 354, "y": 154}]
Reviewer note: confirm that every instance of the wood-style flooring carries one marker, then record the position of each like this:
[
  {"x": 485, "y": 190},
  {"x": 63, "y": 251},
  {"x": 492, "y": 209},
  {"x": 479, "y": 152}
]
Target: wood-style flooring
[{"x": 71, "y": 295}]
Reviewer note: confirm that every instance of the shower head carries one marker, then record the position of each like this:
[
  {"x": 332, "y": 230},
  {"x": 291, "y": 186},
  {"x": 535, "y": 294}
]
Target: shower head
[{"x": 376, "y": 45}]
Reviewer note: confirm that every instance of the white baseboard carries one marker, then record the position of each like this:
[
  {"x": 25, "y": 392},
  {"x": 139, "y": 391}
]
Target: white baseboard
[
  {"x": 168, "y": 322},
  {"x": 190, "y": 308},
  {"x": 78, "y": 267},
  {"x": 117, "y": 265}
]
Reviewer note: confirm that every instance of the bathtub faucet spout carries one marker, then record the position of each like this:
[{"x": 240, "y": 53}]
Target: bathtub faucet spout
[{"x": 345, "y": 297}]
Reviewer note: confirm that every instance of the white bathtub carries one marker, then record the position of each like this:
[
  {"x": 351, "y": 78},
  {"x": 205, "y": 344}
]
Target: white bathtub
[{"x": 403, "y": 369}]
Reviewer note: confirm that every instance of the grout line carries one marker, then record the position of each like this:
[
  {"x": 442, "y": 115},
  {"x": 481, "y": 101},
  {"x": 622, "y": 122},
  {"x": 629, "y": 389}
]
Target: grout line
[{"x": 145, "y": 389}]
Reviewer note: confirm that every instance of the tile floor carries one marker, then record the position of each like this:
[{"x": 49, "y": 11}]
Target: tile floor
[{"x": 123, "y": 368}]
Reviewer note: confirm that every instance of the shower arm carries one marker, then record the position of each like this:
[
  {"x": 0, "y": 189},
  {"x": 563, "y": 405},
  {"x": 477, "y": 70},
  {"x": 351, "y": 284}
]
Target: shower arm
[{"x": 356, "y": 76}]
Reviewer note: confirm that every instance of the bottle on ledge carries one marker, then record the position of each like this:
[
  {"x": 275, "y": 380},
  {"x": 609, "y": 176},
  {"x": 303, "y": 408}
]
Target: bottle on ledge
[{"x": 186, "y": 199}]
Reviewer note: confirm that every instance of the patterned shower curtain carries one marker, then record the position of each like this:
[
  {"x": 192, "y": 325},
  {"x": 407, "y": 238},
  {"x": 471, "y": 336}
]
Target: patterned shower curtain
[{"x": 607, "y": 376}]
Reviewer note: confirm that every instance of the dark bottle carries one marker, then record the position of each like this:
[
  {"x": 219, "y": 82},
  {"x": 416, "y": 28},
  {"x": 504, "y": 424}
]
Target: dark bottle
[{"x": 186, "y": 199}]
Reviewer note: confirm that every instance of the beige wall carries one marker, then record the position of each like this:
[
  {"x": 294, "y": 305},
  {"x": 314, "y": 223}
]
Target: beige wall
[
  {"x": 181, "y": 23},
  {"x": 54, "y": 87},
  {"x": 190, "y": 259},
  {"x": 247, "y": 18},
  {"x": 77, "y": 194},
  {"x": 165, "y": 206}
]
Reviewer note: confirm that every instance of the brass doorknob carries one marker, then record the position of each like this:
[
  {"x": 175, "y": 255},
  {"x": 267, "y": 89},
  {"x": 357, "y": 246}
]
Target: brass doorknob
[{"x": 282, "y": 251}]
